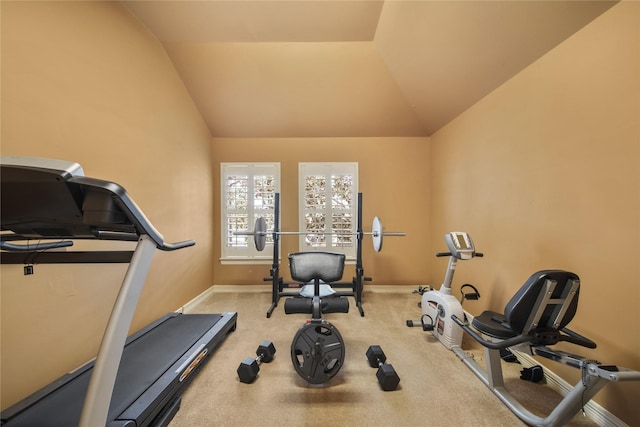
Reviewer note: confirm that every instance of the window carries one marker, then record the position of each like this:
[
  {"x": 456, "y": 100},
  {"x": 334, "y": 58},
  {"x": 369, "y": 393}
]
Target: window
[
  {"x": 328, "y": 198},
  {"x": 247, "y": 192}
]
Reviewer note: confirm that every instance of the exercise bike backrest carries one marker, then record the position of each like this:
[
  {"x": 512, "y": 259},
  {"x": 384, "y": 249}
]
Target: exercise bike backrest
[
  {"x": 537, "y": 314},
  {"x": 547, "y": 301}
]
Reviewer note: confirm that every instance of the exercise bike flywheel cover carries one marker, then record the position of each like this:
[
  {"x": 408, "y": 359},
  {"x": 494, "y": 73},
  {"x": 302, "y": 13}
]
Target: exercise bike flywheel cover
[
  {"x": 260, "y": 233},
  {"x": 317, "y": 351}
]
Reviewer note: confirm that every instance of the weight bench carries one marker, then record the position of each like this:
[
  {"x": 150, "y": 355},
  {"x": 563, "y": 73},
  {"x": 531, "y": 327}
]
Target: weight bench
[
  {"x": 317, "y": 267},
  {"x": 277, "y": 283},
  {"x": 317, "y": 350},
  {"x": 535, "y": 318}
]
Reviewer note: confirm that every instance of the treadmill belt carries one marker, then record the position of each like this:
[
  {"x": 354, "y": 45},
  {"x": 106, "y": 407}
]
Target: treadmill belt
[{"x": 148, "y": 356}]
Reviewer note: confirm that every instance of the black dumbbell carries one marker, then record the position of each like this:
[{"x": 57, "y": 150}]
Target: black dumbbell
[
  {"x": 248, "y": 369},
  {"x": 387, "y": 376}
]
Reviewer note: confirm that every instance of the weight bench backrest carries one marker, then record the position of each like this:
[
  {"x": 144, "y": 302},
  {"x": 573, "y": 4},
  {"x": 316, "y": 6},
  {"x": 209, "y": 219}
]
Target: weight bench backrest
[
  {"x": 547, "y": 301},
  {"x": 308, "y": 266}
]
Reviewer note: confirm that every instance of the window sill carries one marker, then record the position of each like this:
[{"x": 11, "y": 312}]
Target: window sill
[{"x": 263, "y": 261}]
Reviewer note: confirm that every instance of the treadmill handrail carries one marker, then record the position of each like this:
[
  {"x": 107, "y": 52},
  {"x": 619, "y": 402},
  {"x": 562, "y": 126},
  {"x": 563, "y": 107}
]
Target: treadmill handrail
[
  {"x": 110, "y": 214},
  {"x": 40, "y": 246},
  {"x": 114, "y": 235},
  {"x": 177, "y": 245},
  {"x": 132, "y": 211}
]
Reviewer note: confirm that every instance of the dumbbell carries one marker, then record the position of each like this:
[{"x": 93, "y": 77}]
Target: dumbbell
[
  {"x": 387, "y": 376},
  {"x": 249, "y": 368}
]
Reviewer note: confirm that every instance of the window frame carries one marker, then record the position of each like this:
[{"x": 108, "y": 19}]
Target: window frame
[
  {"x": 328, "y": 169},
  {"x": 248, "y": 254}
]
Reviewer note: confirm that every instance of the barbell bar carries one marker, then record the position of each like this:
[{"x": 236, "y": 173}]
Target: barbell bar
[{"x": 260, "y": 233}]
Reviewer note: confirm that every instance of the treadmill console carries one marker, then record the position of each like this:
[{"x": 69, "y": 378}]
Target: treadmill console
[{"x": 460, "y": 244}]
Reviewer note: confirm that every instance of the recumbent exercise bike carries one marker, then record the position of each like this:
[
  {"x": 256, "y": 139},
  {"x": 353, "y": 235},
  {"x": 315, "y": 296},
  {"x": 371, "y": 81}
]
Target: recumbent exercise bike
[{"x": 534, "y": 319}]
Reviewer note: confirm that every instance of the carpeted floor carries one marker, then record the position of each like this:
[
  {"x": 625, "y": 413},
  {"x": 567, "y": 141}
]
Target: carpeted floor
[{"x": 436, "y": 388}]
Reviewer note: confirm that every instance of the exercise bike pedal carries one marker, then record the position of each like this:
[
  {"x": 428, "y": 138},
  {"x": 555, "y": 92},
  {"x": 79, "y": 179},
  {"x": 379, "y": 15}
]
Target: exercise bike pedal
[
  {"x": 425, "y": 327},
  {"x": 473, "y": 296}
]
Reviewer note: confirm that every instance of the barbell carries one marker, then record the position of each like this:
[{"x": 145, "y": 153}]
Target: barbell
[{"x": 260, "y": 233}]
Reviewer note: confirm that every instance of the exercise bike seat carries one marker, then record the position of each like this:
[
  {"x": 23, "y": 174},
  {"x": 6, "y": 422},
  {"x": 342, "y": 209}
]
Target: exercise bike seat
[
  {"x": 493, "y": 324},
  {"x": 316, "y": 267},
  {"x": 539, "y": 312}
]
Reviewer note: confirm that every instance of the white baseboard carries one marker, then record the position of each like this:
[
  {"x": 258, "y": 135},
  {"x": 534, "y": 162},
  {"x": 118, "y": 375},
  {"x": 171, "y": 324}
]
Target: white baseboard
[
  {"x": 267, "y": 288},
  {"x": 189, "y": 305},
  {"x": 593, "y": 410},
  {"x": 240, "y": 288}
]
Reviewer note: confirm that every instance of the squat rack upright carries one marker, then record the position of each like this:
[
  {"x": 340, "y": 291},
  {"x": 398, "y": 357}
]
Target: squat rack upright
[{"x": 278, "y": 285}]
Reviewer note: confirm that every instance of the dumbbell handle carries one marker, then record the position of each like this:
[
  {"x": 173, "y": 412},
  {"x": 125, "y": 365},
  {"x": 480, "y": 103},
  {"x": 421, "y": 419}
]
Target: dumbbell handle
[{"x": 259, "y": 358}]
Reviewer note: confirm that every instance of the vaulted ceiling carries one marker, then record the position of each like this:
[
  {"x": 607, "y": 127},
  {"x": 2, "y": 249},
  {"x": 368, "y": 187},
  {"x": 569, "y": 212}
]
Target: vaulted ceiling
[{"x": 342, "y": 68}]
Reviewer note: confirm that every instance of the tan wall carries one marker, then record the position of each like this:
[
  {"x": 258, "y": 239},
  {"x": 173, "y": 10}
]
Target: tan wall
[
  {"x": 544, "y": 174},
  {"x": 392, "y": 178},
  {"x": 84, "y": 81},
  {"x": 549, "y": 160}
]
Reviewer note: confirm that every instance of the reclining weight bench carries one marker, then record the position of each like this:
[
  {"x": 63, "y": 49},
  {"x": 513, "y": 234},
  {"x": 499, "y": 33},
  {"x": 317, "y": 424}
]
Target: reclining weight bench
[{"x": 317, "y": 350}]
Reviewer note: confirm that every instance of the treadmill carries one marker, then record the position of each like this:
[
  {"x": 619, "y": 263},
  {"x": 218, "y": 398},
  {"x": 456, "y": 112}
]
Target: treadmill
[{"x": 135, "y": 381}]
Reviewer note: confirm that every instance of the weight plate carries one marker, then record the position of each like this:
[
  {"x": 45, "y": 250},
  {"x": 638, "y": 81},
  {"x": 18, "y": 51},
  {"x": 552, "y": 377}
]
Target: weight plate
[
  {"x": 260, "y": 233},
  {"x": 317, "y": 352},
  {"x": 376, "y": 234}
]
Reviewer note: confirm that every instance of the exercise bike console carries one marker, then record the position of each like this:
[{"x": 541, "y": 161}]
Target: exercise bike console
[{"x": 460, "y": 245}]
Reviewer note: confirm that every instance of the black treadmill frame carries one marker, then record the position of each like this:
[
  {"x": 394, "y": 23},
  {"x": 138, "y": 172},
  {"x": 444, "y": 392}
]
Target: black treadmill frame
[{"x": 45, "y": 199}]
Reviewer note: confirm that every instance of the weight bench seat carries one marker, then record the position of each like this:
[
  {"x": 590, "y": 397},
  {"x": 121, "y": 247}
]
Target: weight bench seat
[
  {"x": 325, "y": 290},
  {"x": 311, "y": 266},
  {"x": 316, "y": 267}
]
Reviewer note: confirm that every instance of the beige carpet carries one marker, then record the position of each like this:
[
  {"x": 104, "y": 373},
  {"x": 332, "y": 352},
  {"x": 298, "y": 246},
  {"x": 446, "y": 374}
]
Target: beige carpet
[{"x": 436, "y": 388}]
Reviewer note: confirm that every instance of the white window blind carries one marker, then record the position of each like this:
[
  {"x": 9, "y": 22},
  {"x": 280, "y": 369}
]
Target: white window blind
[
  {"x": 327, "y": 203},
  {"x": 247, "y": 192}
]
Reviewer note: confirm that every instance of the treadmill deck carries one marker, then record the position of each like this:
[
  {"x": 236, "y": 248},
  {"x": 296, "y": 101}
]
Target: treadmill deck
[{"x": 156, "y": 365}]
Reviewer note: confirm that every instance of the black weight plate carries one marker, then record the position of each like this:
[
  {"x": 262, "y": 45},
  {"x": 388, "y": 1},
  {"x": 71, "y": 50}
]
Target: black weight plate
[{"x": 317, "y": 352}]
